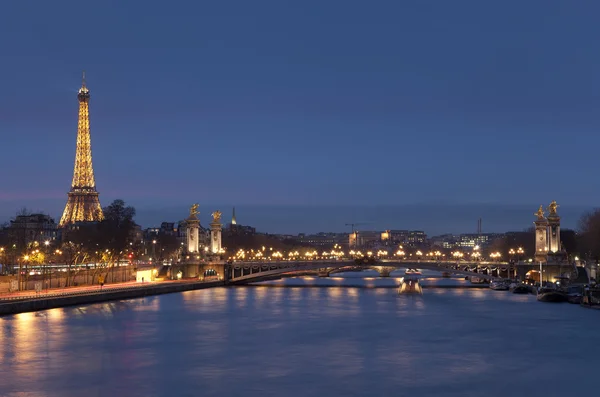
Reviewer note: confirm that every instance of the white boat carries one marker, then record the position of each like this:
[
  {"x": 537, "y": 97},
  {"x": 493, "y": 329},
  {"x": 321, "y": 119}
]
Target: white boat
[
  {"x": 476, "y": 280},
  {"x": 410, "y": 285},
  {"x": 500, "y": 285}
]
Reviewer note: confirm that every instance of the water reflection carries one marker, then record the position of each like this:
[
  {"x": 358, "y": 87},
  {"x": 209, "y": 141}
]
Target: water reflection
[
  {"x": 335, "y": 292},
  {"x": 301, "y": 341}
]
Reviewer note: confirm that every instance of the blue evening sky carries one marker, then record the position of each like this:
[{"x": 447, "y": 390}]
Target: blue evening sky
[{"x": 304, "y": 103}]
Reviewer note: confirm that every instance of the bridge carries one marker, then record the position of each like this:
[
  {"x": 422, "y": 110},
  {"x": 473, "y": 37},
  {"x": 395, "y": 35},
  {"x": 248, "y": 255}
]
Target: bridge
[{"x": 243, "y": 272}]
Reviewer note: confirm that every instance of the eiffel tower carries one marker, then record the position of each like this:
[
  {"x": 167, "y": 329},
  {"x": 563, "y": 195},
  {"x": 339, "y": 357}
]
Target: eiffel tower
[{"x": 83, "y": 204}]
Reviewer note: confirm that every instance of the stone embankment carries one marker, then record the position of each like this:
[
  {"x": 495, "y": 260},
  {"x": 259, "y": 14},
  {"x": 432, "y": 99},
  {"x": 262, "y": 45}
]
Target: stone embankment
[{"x": 51, "y": 301}]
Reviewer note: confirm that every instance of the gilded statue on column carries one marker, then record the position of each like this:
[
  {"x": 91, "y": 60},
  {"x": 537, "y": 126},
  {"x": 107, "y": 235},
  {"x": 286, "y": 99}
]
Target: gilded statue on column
[
  {"x": 194, "y": 211},
  {"x": 540, "y": 213},
  {"x": 552, "y": 208},
  {"x": 216, "y": 216}
]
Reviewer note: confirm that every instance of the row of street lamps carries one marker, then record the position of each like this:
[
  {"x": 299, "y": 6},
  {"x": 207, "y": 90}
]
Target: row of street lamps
[{"x": 336, "y": 252}]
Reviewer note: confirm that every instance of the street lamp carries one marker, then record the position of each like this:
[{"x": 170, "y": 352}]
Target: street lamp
[
  {"x": 2, "y": 254},
  {"x": 25, "y": 259},
  {"x": 520, "y": 252}
]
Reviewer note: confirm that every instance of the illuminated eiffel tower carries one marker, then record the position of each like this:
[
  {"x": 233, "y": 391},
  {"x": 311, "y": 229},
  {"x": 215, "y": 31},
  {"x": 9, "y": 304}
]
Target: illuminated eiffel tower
[{"x": 83, "y": 204}]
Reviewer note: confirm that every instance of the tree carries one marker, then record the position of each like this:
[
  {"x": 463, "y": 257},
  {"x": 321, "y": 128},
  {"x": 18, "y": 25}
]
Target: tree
[
  {"x": 115, "y": 232},
  {"x": 79, "y": 244},
  {"x": 167, "y": 247},
  {"x": 24, "y": 211},
  {"x": 104, "y": 243},
  {"x": 569, "y": 241},
  {"x": 589, "y": 235},
  {"x": 514, "y": 240}
]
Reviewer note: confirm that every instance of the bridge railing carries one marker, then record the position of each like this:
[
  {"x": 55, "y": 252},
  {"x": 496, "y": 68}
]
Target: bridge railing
[{"x": 375, "y": 262}]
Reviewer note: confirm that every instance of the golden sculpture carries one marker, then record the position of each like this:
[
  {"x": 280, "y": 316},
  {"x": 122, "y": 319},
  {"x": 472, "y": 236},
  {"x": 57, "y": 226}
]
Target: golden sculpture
[
  {"x": 540, "y": 213},
  {"x": 552, "y": 208},
  {"x": 216, "y": 216},
  {"x": 194, "y": 211}
]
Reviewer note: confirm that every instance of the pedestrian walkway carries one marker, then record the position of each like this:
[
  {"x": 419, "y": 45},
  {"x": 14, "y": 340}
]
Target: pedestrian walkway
[{"x": 32, "y": 294}]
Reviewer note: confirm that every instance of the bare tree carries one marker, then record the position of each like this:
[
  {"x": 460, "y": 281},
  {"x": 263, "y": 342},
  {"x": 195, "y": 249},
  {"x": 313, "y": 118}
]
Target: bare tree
[{"x": 589, "y": 235}]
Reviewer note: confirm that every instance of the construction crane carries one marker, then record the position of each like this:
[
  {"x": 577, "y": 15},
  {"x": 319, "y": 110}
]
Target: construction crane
[{"x": 355, "y": 224}]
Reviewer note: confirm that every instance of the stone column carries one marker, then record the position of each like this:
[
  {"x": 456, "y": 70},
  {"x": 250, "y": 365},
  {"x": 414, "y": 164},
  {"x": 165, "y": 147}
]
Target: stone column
[
  {"x": 541, "y": 236},
  {"x": 193, "y": 227},
  {"x": 215, "y": 233},
  {"x": 554, "y": 233}
]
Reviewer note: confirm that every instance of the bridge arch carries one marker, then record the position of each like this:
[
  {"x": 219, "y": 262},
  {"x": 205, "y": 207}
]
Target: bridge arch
[{"x": 243, "y": 273}]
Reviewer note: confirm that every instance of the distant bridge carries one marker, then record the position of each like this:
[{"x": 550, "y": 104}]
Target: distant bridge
[{"x": 242, "y": 272}]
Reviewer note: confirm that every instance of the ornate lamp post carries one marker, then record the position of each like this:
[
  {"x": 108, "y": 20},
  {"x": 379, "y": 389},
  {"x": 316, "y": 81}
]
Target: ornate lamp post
[
  {"x": 25, "y": 259},
  {"x": 520, "y": 253}
]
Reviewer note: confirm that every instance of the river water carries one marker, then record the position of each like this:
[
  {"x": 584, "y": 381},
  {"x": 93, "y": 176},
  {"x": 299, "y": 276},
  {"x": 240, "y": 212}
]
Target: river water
[{"x": 305, "y": 341}]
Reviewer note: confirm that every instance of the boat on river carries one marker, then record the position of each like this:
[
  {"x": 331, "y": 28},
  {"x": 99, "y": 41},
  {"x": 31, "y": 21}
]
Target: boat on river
[
  {"x": 574, "y": 294},
  {"x": 410, "y": 286},
  {"x": 591, "y": 297},
  {"x": 476, "y": 280},
  {"x": 500, "y": 285},
  {"x": 521, "y": 289},
  {"x": 551, "y": 294}
]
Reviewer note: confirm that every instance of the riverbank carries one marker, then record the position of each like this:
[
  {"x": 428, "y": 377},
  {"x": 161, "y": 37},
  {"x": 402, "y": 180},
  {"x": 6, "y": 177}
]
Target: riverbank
[
  {"x": 51, "y": 301},
  {"x": 364, "y": 286}
]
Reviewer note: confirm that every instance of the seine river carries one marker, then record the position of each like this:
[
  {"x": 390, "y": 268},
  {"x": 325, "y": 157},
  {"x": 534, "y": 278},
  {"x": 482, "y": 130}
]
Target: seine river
[{"x": 305, "y": 341}]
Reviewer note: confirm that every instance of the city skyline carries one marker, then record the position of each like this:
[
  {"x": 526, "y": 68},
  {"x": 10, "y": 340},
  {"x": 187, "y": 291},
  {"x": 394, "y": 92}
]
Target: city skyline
[
  {"x": 434, "y": 219},
  {"x": 472, "y": 123}
]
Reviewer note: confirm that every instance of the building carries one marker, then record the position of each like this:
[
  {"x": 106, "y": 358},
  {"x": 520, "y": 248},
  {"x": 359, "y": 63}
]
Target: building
[
  {"x": 137, "y": 234},
  {"x": 241, "y": 229},
  {"x": 181, "y": 232},
  {"x": 151, "y": 233},
  {"x": 168, "y": 228},
  {"x": 405, "y": 237},
  {"x": 363, "y": 239},
  {"x": 321, "y": 240},
  {"x": 444, "y": 241},
  {"x": 34, "y": 228},
  {"x": 472, "y": 240},
  {"x": 416, "y": 238}
]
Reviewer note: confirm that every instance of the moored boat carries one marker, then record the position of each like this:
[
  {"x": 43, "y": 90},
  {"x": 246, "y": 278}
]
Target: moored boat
[
  {"x": 476, "y": 280},
  {"x": 574, "y": 294},
  {"x": 591, "y": 297},
  {"x": 555, "y": 295},
  {"x": 500, "y": 285},
  {"x": 521, "y": 289}
]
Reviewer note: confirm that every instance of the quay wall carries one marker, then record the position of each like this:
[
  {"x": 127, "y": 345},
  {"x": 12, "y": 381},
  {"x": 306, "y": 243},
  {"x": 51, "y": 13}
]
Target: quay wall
[
  {"x": 44, "y": 303},
  {"x": 362, "y": 286}
]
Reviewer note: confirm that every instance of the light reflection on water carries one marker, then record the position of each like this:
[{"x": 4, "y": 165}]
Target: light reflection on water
[{"x": 302, "y": 341}]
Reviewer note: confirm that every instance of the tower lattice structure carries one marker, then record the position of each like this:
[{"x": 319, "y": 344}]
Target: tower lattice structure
[{"x": 83, "y": 204}]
